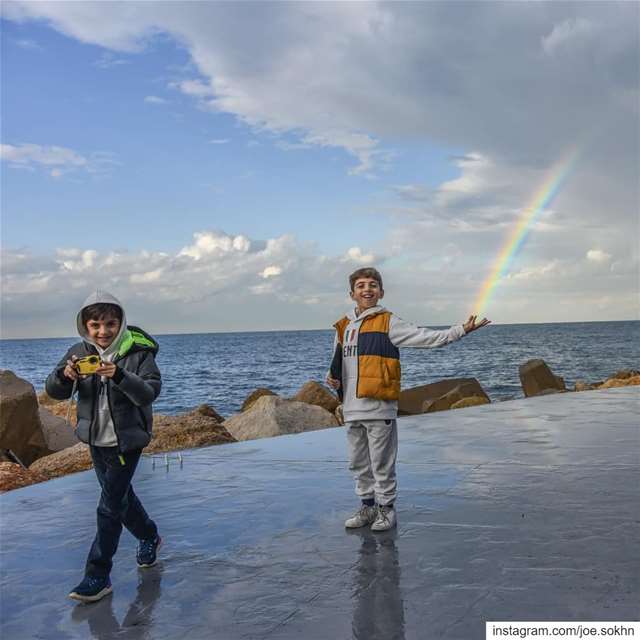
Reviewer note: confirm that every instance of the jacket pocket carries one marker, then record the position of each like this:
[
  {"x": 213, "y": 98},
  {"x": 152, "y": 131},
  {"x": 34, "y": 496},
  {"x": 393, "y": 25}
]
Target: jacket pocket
[{"x": 83, "y": 430}]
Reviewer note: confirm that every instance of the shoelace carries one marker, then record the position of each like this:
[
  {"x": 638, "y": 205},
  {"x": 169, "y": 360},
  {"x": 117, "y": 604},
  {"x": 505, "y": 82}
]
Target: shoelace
[
  {"x": 95, "y": 581},
  {"x": 382, "y": 513},
  {"x": 147, "y": 547}
]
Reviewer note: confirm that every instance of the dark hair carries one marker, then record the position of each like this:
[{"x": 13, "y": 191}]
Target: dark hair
[
  {"x": 365, "y": 272},
  {"x": 101, "y": 310}
]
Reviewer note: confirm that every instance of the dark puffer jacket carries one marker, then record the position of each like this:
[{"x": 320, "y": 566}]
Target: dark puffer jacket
[{"x": 131, "y": 391}]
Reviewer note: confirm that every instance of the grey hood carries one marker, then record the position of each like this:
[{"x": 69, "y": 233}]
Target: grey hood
[
  {"x": 353, "y": 317},
  {"x": 101, "y": 296}
]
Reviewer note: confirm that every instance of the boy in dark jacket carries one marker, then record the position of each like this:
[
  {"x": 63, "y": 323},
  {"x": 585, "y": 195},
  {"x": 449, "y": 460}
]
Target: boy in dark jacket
[{"x": 115, "y": 419}]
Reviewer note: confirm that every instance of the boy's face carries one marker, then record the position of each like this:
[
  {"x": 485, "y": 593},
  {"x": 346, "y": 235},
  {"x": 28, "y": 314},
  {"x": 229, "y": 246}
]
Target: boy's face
[
  {"x": 366, "y": 293},
  {"x": 103, "y": 331}
]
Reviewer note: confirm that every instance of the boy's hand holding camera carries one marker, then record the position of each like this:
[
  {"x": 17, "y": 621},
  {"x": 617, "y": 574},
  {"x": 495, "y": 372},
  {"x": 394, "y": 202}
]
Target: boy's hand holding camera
[{"x": 73, "y": 370}]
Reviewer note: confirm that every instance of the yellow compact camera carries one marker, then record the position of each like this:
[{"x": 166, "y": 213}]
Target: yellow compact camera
[{"x": 87, "y": 365}]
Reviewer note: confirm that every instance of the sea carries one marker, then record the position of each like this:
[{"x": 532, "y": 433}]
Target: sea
[{"x": 221, "y": 369}]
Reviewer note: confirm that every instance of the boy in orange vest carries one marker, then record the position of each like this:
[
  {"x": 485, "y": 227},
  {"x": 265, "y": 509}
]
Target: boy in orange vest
[{"x": 365, "y": 371}]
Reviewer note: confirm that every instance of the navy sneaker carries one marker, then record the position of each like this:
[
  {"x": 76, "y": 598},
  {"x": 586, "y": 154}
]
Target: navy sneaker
[
  {"x": 147, "y": 550},
  {"x": 92, "y": 589}
]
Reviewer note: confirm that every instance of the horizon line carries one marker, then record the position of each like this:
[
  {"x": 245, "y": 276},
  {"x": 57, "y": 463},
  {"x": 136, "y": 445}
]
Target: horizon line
[{"x": 193, "y": 333}]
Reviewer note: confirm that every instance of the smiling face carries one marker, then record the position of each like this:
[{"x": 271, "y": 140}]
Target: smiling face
[
  {"x": 103, "y": 331},
  {"x": 366, "y": 293}
]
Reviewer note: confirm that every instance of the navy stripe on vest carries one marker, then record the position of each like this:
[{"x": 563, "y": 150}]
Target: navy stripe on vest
[{"x": 377, "y": 343}]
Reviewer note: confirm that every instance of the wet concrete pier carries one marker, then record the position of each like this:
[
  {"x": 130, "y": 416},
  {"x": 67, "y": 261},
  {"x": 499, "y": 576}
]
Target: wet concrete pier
[{"x": 525, "y": 510}]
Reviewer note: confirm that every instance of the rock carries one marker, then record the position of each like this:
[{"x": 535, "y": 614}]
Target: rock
[
  {"x": 339, "y": 414},
  {"x": 412, "y": 400},
  {"x": 209, "y": 412},
  {"x": 458, "y": 393},
  {"x": 536, "y": 377},
  {"x": 58, "y": 407},
  {"x": 618, "y": 382},
  {"x": 20, "y": 428},
  {"x": 186, "y": 431},
  {"x": 62, "y": 463},
  {"x": 313, "y": 392},
  {"x": 581, "y": 385},
  {"x": 58, "y": 433},
  {"x": 13, "y": 476},
  {"x": 253, "y": 396},
  {"x": 273, "y": 416},
  {"x": 624, "y": 374},
  {"x": 472, "y": 401},
  {"x": 170, "y": 433}
]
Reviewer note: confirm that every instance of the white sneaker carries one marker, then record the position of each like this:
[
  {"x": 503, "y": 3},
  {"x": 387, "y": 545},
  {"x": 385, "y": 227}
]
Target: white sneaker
[
  {"x": 385, "y": 520},
  {"x": 364, "y": 516}
]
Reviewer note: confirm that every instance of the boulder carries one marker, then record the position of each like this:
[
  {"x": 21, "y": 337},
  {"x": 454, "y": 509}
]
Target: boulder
[
  {"x": 208, "y": 411},
  {"x": 624, "y": 374},
  {"x": 58, "y": 433},
  {"x": 339, "y": 414},
  {"x": 273, "y": 416},
  {"x": 14, "y": 476},
  {"x": 412, "y": 400},
  {"x": 536, "y": 379},
  {"x": 620, "y": 382},
  {"x": 458, "y": 393},
  {"x": 62, "y": 463},
  {"x": 472, "y": 401},
  {"x": 253, "y": 396},
  {"x": 186, "y": 431},
  {"x": 58, "y": 407},
  {"x": 313, "y": 392},
  {"x": 20, "y": 428}
]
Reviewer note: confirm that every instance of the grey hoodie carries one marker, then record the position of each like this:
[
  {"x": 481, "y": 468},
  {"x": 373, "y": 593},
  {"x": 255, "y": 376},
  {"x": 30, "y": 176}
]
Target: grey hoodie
[{"x": 401, "y": 334}]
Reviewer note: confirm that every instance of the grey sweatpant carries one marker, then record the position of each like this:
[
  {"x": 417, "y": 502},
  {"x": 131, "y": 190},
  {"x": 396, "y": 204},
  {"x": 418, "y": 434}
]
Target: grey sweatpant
[{"x": 373, "y": 448}]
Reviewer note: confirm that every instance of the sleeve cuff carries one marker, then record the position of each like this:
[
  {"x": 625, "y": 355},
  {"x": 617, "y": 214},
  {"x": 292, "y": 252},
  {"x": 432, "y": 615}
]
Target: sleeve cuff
[{"x": 118, "y": 376}]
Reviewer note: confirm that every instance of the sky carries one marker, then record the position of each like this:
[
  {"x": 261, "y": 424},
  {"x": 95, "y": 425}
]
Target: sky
[{"x": 225, "y": 166}]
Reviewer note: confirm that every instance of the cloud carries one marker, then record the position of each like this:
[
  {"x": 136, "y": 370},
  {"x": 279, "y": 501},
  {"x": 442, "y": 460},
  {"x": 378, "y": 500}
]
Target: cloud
[
  {"x": 108, "y": 60},
  {"x": 155, "y": 100},
  {"x": 368, "y": 72},
  {"x": 598, "y": 256},
  {"x": 28, "y": 44},
  {"x": 271, "y": 271},
  {"x": 212, "y": 283},
  {"x": 219, "y": 141},
  {"x": 57, "y": 161}
]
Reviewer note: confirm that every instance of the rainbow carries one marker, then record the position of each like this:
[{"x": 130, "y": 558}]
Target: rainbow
[{"x": 542, "y": 198}]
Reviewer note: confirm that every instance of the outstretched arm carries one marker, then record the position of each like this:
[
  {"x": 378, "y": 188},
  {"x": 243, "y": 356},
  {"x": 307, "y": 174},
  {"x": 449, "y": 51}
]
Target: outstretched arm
[{"x": 471, "y": 325}]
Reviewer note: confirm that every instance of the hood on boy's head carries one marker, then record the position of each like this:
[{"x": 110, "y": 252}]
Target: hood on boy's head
[{"x": 103, "y": 297}]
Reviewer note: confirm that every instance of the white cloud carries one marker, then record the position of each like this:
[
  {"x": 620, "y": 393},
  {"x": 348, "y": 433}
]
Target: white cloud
[
  {"x": 598, "y": 256},
  {"x": 354, "y": 254},
  {"x": 219, "y": 141},
  {"x": 56, "y": 160},
  {"x": 567, "y": 34},
  {"x": 271, "y": 271},
  {"x": 155, "y": 100},
  {"x": 366, "y": 72},
  {"x": 208, "y": 243}
]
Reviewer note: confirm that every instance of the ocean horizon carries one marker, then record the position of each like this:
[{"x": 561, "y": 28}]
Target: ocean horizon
[{"x": 222, "y": 368}]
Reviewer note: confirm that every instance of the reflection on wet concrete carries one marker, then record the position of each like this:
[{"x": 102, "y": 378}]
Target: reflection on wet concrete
[
  {"x": 526, "y": 510},
  {"x": 378, "y": 612},
  {"x": 137, "y": 622}
]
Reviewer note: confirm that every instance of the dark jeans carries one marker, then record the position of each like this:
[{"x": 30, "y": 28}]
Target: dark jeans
[{"x": 118, "y": 506}]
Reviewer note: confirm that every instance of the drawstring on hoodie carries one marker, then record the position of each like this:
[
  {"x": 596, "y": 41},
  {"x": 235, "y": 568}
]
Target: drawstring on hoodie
[{"x": 73, "y": 391}]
